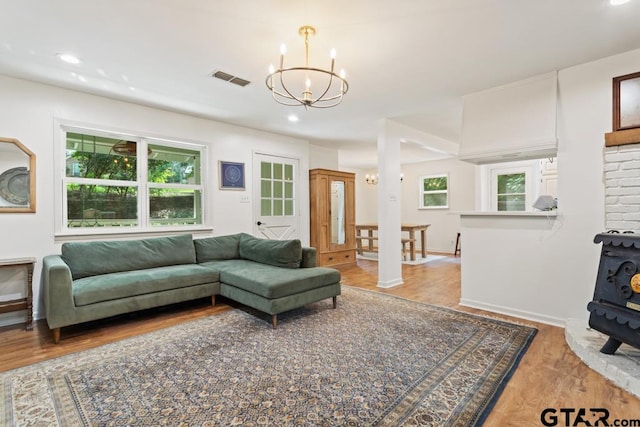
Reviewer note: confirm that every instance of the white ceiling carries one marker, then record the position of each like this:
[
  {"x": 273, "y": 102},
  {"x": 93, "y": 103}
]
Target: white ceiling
[{"x": 406, "y": 60}]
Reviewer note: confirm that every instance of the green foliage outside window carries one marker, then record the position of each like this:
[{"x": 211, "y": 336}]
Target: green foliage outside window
[
  {"x": 98, "y": 194},
  {"x": 435, "y": 191},
  {"x": 511, "y": 192}
]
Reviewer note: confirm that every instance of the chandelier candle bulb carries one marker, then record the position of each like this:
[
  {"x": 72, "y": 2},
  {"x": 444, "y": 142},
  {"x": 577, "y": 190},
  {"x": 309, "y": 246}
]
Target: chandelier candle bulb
[{"x": 284, "y": 88}]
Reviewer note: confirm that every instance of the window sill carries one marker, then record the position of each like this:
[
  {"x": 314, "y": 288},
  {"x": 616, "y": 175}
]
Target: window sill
[
  {"x": 540, "y": 214},
  {"x": 93, "y": 234}
]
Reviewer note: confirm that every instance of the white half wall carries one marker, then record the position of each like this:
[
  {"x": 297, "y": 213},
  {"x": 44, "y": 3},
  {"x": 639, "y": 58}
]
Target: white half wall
[
  {"x": 546, "y": 269},
  {"x": 28, "y": 112}
]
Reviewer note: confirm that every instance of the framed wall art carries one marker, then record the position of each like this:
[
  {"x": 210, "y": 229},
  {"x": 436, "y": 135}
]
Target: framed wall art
[
  {"x": 626, "y": 102},
  {"x": 17, "y": 177},
  {"x": 231, "y": 176}
]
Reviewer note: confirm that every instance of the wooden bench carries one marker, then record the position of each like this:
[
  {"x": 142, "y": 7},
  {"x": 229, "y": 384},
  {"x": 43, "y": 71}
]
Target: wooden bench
[{"x": 372, "y": 248}]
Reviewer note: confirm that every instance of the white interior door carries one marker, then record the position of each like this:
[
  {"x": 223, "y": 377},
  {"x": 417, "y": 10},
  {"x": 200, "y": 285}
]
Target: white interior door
[{"x": 275, "y": 198}]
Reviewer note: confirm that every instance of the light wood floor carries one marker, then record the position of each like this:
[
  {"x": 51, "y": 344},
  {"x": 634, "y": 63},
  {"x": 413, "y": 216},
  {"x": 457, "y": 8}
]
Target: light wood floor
[{"x": 549, "y": 375}]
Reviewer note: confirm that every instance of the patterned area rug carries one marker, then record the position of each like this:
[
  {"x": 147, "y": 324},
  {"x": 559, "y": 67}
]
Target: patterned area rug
[{"x": 377, "y": 360}]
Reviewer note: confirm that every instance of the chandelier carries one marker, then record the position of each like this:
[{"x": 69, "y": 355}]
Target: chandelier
[
  {"x": 127, "y": 148},
  {"x": 286, "y": 83},
  {"x": 373, "y": 179}
]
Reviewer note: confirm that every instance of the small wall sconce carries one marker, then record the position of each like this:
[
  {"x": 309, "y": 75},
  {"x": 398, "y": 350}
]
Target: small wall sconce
[{"x": 373, "y": 179}]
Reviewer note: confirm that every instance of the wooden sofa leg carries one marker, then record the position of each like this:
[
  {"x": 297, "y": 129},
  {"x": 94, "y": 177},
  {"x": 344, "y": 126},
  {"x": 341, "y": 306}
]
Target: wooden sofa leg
[
  {"x": 335, "y": 302},
  {"x": 274, "y": 320},
  {"x": 213, "y": 300},
  {"x": 56, "y": 335}
]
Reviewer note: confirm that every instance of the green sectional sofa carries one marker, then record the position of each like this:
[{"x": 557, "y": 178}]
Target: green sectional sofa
[{"x": 99, "y": 279}]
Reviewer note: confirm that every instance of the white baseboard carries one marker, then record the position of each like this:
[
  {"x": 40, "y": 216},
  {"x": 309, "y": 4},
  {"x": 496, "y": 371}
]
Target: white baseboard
[
  {"x": 521, "y": 314},
  {"x": 390, "y": 283}
]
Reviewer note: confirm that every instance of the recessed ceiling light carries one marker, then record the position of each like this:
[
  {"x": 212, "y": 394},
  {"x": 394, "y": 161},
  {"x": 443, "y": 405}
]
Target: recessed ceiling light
[
  {"x": 293, "y": 118},
  {"x": 618, "y": 2},
  {"x": 69, "y": 58}
]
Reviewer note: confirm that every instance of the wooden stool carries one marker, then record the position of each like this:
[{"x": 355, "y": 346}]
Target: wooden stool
[
  {"x": 404, "y": 242},
  {"x": 457, "y": 251}
]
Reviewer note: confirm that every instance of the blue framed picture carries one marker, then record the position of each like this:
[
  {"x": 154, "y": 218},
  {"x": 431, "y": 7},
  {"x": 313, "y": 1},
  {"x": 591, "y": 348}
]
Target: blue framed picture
[{"x": 231, "y": 176}]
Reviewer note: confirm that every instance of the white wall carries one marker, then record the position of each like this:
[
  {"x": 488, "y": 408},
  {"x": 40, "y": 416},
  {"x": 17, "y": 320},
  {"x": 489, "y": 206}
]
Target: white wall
[
  {"x": 445, "y": 223},
  {"x": 28, "y": 111},
  {"x": 323, "y": 158},
  {"x": 366, "y": 199},
  {"x": 546, "y": 269}
]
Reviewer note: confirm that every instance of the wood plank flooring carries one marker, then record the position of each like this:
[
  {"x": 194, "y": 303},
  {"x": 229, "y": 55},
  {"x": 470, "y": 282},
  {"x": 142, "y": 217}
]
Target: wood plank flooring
[{"x": 549, "y": 375}]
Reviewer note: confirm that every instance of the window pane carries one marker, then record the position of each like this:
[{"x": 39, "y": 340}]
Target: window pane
[
  {"x": 265, "y": 170},
  {"x": 90, "y": 156},
  {"x": 265, "y": 207},
  {"x": 265, "y": 188},
  {"x": 436, "y": 199},
  {"x": 436, "y": 183},
  {"x": 101, "y": 206},
  {"x": 513, "y": 202},
  {"x": 277, "y": 189},
  {"x": 288, "y": 190},
  {"x": 277, "y": 207},
  {"x": 173, "y": 165},
  {"x": 511, "y": 183},
  {"x": 175, "y": 207},
  {"x": 288, "y": 172},
  {"x": 277, "y": 171},
  {"x": 288, "y": 207}
]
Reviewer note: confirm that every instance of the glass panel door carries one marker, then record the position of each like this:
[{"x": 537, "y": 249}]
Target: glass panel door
[{"x": 277, "y": 216}]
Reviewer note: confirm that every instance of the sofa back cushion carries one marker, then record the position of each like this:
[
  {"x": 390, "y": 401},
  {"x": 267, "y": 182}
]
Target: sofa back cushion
[
  {"x": 217, "y": 248},
  {"x": 280, "y": 253},
  {"x": 92, "y": 258}
]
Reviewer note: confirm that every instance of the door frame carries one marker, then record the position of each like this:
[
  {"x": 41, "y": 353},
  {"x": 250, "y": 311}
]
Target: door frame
[{"x": 301, "y": 206}]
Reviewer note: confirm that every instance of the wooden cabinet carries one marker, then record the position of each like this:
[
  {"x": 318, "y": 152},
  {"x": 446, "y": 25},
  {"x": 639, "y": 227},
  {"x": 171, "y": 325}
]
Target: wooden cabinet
[{"x": 333, "y": 216}]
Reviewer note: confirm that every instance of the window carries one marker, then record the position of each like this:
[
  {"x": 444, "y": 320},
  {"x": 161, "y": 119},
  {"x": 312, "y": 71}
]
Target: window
[
  {"x": 276, "y": 189},
  {"x": 511, "y": 192},
  {"x": 130, "y": 183},
  {"x": 512, "y": 187},
  {"x": 434, "y": 191}
]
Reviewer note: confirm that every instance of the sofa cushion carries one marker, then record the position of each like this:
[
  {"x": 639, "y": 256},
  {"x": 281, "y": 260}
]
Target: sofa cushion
[
  {"x": 217, "y": 248},
  {"x": 113, "y": 286},
  {"x": 272, "y": 282},
  {"x": 92, "y": 258},
  {"x": 279, "y": 253}
]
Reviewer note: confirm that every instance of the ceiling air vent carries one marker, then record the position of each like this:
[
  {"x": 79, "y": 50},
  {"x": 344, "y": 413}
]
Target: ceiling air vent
[{"x": 230, "y": 78}]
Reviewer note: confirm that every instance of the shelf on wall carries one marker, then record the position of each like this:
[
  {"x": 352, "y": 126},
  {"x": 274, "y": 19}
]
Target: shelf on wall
[{"x": 622, "y": 137}]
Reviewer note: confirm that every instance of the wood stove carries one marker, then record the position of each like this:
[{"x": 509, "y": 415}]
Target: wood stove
[{"x": 615, "y": 309}]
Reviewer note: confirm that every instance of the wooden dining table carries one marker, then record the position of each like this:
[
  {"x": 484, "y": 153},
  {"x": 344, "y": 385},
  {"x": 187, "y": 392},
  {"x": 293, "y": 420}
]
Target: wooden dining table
[{"x": 412, "y": 229}]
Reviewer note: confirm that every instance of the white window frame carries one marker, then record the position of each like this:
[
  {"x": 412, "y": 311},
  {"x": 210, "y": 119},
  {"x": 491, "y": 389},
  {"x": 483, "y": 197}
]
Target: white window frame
[
  {"x": 421, "y": 191},
  {"x": 528, "y": 179},
  {"x": 143, "y": 186}
]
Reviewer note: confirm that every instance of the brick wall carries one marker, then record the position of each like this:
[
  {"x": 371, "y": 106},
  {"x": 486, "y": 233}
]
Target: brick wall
[{"x": 622, "y": 187}]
